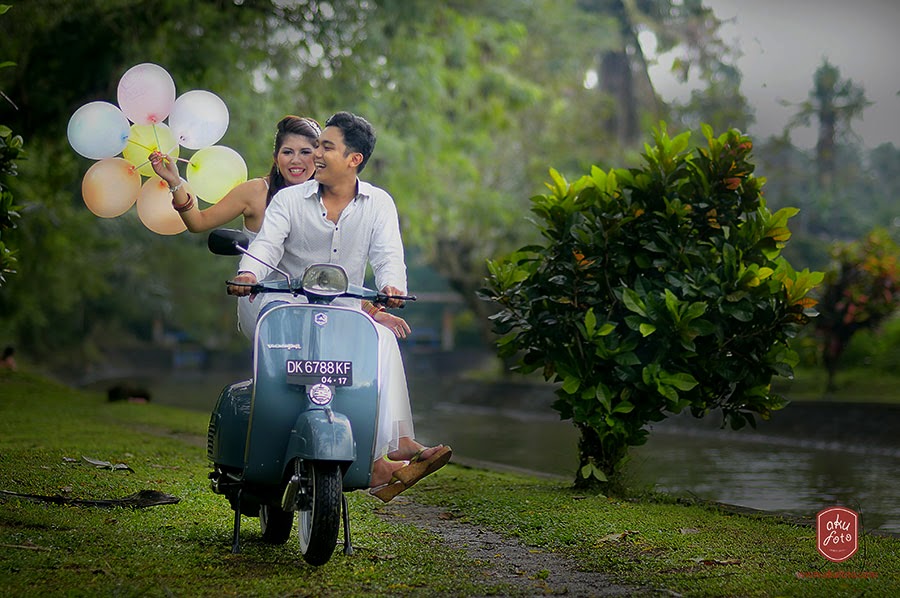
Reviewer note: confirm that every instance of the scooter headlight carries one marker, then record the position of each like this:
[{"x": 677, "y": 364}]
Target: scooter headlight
[
  {"x": 325, "y": 280},
  {"x": 320, "y": 394}
]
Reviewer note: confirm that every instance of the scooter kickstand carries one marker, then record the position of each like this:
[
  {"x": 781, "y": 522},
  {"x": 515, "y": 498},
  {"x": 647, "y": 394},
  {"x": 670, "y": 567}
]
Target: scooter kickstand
[
  {"x": 348, "y": 546},
  {"x": 236, "y": 539}
]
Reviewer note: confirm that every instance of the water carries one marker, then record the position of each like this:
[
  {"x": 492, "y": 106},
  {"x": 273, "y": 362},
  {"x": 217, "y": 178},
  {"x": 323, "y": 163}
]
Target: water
[{"x": 808, "y": 457}]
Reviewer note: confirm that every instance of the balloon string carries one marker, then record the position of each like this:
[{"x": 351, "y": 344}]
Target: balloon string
[
  {"x": 169, "y": 153},
  {"x": 149, "y": 149},
  {"x": 155, "y": 135}
]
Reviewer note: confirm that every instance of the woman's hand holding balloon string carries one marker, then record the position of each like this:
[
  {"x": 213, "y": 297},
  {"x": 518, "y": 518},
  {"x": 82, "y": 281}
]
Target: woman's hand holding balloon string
[{"x": 164, "y": 166}]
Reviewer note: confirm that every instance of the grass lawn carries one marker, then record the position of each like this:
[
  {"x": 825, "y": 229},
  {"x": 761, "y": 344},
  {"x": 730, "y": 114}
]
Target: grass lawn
[
  {"x": 183, "y": 549},
  {"x": 853, "y": 385}
]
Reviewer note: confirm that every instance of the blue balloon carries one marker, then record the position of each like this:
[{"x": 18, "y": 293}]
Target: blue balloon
[{"x": 98, "y": 130}]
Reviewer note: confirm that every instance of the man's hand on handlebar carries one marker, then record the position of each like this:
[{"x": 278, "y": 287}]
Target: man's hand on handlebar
[
  {"x": 389, "y": 290},
  {"x": 247, "y": 278}
]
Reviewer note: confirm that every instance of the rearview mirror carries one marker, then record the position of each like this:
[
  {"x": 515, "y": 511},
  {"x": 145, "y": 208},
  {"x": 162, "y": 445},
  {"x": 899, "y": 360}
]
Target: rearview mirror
[{"x": 226, "y": 241}]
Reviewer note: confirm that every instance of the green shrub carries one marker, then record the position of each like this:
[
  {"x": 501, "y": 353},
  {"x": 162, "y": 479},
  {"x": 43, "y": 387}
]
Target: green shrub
[
  {"x": 11, "y": 149},
  {"x": 658, "y": 289},
  {"x": 861, "y": 290}
]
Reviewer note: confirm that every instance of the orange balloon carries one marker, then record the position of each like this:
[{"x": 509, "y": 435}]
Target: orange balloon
[
  {"x": 110, "y": 187},
  {"x": 154, "y": 208}
]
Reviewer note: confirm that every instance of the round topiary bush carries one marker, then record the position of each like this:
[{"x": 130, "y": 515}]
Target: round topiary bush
[{"x": 658, "y": 289}]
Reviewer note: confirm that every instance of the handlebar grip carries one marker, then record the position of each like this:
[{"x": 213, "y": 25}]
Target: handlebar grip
[
  {"x": 255, "y": 288},
  {"x": 385, "y": 298}
]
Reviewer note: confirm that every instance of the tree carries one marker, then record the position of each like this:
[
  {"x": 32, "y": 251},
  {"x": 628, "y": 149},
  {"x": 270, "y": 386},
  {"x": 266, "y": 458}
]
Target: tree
[
  {"x": 656, "y": 290},
  {"x": 82, "y": 279},
  {"x": 494, "y": 94},
  {"x": 622, "y": 66},
  {"x": 469, "y": 98},
  {"x": 479, "y": 130},
  {"x": 862, "y": 289},
  {"x": 11, "y": 150},
  {"x": 835, "y": 103}
]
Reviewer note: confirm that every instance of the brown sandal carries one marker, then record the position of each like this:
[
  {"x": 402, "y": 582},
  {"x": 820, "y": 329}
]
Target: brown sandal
[
  {"x": 387, "y": 492},
  {"x": 418, "y": 468}
]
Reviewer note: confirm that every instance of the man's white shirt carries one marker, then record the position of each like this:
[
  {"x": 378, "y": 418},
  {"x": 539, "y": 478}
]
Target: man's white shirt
[{"x": 296, "y": 233}]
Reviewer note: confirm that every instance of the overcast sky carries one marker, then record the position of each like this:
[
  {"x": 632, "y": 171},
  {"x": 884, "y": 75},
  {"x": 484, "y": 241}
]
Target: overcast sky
[{"x": 784, "y": 42}]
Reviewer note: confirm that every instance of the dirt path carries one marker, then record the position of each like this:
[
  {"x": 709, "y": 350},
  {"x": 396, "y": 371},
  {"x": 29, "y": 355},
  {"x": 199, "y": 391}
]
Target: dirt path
[{"x": 533, "y": 572}]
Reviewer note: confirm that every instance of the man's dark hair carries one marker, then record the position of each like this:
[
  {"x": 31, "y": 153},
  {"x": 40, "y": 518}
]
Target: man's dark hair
[{"x": 359, "y": 135}]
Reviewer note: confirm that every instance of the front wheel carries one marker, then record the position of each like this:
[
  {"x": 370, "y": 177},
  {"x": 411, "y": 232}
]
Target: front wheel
[{"x": 319, "y": 519}]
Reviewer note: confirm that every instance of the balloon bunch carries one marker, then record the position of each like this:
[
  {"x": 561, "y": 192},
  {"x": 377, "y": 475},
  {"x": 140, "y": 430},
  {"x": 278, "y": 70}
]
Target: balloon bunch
[{"x": 196, "y": 121}]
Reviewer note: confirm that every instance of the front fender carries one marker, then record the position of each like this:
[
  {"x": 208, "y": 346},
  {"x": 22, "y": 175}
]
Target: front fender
[{"x": 321, "y": 435}]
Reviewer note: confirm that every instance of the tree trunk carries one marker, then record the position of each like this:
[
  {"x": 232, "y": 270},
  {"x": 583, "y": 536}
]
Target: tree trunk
[
  {"x": 603, "y": 453},
  {"x": 825, "y": 148}
]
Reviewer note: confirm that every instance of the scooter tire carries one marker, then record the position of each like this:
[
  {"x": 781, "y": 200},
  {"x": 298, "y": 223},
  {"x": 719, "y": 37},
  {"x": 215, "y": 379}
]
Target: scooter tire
[
  {"x": 317, "y": 527},
  {"x": 276, "y": 524}
]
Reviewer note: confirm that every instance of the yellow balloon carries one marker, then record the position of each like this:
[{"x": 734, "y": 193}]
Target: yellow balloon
[
  {"x": 110, "y": 187},
  {"x": 145, "y": 139},
  {"x": 214, "y": 171},
  {"x": 154, "y": 208}
]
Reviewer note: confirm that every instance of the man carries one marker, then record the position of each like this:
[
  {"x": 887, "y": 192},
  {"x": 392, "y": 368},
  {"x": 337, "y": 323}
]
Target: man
[{"x": 337, "y": 218}]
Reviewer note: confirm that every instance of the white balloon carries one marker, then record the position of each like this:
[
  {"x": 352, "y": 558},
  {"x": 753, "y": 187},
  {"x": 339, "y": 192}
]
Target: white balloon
[{"x": 198, "y": 119}]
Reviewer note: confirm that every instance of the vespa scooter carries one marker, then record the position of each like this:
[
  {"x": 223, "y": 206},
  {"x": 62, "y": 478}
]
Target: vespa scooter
[{"x": 301, "y": 432}]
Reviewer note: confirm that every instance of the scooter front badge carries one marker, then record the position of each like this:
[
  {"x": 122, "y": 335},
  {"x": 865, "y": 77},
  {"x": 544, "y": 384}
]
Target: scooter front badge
[
  {"x": 320, "y": 394},
  {"x": 321, "y": 318}
]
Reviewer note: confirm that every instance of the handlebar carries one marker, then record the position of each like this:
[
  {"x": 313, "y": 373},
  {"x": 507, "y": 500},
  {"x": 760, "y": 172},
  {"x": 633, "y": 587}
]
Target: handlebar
[
  {"x": 257, "y": 288},
  {"x": 381, "y": 298}
]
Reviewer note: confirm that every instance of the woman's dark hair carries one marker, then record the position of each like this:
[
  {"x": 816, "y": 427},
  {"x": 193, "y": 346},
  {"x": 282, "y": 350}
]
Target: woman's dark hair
[
  {"x": 289, "y": 125},
  {"x": 359, "y": 135}
]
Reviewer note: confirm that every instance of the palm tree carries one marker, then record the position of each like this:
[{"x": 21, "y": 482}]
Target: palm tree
[{"x": 836, "y": 103}]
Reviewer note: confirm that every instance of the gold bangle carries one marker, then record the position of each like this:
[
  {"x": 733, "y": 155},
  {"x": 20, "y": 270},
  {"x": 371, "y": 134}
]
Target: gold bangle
[{"x": 370, "y": 308}]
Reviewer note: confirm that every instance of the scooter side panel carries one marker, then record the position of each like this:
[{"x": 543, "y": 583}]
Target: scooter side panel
[
  {"x": 303, "y": 331},
  {"x": 227, "y": 434}
]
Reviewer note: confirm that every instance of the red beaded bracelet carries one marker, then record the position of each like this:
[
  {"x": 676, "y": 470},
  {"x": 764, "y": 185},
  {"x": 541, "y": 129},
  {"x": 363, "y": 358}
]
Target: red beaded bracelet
[{"x": 185, "y": 206}]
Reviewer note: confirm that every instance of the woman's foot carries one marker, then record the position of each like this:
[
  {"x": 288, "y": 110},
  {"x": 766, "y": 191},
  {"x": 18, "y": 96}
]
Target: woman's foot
[
  {"x": 410, "y": 450},
  {"x": 383, "y": 471}
]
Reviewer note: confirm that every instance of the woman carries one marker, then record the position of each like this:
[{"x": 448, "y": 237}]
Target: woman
[{"x": 295, "y": 139}]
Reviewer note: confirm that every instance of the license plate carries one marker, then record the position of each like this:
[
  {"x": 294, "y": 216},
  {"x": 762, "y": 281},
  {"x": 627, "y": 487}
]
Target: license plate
[{"x": 318, "y": 371}]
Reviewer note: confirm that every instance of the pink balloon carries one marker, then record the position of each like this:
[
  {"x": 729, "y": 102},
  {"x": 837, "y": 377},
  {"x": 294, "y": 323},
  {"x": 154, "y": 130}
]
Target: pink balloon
[
  {"x": 154, "y": 208},
  {"x": 146, "y": 94},
  {"x": 110, "y": 187}
]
